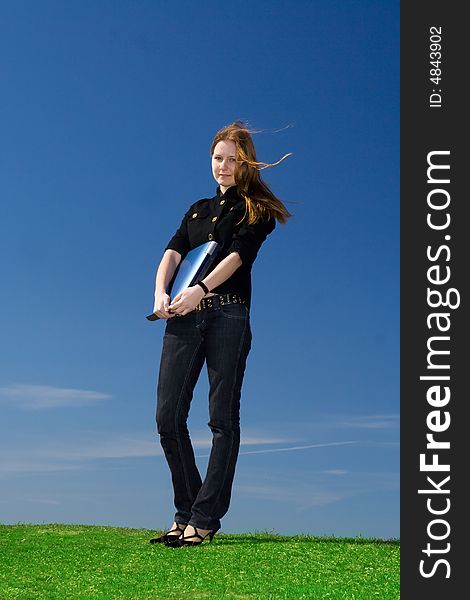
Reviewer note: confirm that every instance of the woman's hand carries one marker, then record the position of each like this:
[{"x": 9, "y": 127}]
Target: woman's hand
[
  {"x": 160, "y": 308},
  {"x": 187, "y": 300}
]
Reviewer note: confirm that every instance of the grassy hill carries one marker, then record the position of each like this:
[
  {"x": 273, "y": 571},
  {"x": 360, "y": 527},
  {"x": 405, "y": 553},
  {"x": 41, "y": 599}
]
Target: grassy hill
[{"x": 61, "y": 562}]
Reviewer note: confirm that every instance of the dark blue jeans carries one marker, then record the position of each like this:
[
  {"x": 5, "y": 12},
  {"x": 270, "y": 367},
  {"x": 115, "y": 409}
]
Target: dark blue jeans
[{"x": 222, "y": 338}]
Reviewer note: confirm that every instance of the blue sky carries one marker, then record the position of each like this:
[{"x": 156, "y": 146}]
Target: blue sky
[{"x": 108, "y": 112}]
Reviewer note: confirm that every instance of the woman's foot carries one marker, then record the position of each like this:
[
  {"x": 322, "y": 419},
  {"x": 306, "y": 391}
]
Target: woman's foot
[
  {"x": 190, "y": 532},
  {"x": 192, "y": 536},
  {"x": 171, "y": 535}
]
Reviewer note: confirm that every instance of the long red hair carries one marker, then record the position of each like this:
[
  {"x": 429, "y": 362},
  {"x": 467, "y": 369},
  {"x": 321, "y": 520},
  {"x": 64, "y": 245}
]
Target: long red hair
[{"x": 261, "y": 203}]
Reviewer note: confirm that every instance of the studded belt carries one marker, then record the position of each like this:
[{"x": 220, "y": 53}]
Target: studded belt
[{"x": 218, "y": 300}]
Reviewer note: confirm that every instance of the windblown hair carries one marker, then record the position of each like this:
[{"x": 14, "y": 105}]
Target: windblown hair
[{"x": 261, "y": 203}]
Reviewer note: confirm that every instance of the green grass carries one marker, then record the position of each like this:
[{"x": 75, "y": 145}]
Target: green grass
[{"x": 59, "y": 562}]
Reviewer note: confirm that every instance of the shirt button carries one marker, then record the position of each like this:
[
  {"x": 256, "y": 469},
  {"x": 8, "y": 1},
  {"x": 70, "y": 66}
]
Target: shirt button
[
  {"x": 194, "y": 215},
  {"x": 210, "y": 236},
  {"x": 214, "y": 219},
  {"x": 222, "y": 201}
]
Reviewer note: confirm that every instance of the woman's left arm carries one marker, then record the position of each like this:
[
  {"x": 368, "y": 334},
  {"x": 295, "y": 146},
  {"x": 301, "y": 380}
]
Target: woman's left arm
[
  {"x": 189, "y": 298},
  {"x": 225, "y": 269}
]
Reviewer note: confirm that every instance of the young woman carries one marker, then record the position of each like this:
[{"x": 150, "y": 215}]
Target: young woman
[{"x": 210, "y": 321}]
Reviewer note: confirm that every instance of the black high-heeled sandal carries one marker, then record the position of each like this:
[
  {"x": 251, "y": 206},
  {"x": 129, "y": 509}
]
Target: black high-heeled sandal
[
  {"x": 182, "y": 541},
  {"x": 166, "y": 538}
]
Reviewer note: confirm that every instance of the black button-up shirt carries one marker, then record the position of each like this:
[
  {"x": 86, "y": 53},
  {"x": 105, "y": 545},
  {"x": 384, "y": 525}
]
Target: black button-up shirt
[{"x": 218, "y": 219}]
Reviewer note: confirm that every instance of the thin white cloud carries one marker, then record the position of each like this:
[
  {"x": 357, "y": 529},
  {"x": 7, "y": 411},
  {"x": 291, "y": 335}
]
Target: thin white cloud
[
  {"x": 330, "y": 422},
  {"x": 43, "y": 397},
  {"x": 291, "y": 448},
  {"x": 25, "y": 465},
  {"x": 371, "y": 422},
  {"x": 114, "y": 447},
  {"x": 262, "y": 440},
  {"x": 304, "y": 493},
  {"x": 300, "y": 496},
  {"x": 69, "y": 454},
  {"x": 34, "y": 456},
  {"x": 126, "y": 447}
]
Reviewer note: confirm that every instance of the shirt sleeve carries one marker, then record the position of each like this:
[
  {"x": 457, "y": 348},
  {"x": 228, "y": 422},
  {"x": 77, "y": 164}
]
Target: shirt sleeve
[
  {"x": 248, "y": 239},
  {"x": 180, "y": 240}
]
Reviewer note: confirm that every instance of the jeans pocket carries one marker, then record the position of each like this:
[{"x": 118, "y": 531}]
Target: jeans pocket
[{"x": 172, "y": 321}]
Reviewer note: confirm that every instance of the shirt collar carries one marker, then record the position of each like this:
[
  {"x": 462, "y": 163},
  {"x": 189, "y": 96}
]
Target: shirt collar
[{"x": 231, "y": 194}]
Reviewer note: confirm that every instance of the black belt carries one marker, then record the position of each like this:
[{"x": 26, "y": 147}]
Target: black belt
[{"x": 213, "y": 302}]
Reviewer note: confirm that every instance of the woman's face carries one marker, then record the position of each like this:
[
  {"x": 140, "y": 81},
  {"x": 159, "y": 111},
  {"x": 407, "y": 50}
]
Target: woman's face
[{"x": 223, "y": 164}]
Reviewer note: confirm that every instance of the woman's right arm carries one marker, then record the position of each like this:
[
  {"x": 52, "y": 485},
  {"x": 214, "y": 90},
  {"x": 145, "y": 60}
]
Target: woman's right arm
[{"x": 165, "y": 271}]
